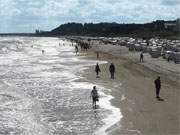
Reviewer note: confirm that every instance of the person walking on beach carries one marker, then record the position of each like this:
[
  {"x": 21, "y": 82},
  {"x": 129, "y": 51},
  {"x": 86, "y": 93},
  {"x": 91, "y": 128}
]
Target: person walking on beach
[
  {"x": 112, "y": 70},
  {"x": 94, "y": 95},
  {"x": 76, "y": 49},
  {"x": 97, "y": 70},
  {"x": 168, "y": 59},
  {"x": 43, "y": 51},
  {"x": 141, "y": 57},
  {"x": 157, "y": 83},
  {"x": 97, "y": 54}
]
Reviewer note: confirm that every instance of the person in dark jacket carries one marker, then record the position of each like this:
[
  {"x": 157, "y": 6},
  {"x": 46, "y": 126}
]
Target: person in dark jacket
[
  {"x": 112, "y": 70},
  {"x": 141, "y": 57},
  {"x": 157, "y": 83},
  {"x": 97, "y": 70},
  {"x": 76, "y": 49}
]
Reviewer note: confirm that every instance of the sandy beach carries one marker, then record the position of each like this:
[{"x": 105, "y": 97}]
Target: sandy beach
[
  {"x": 134, "y": 91},
  {"x": 49, "y": 93}
]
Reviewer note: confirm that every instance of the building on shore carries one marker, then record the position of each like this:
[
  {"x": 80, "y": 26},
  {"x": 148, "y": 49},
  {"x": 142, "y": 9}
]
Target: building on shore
[{"x": 172, "y": 25}]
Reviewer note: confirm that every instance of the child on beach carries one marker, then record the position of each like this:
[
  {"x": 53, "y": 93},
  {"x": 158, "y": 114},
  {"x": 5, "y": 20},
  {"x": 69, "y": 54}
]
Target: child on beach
[{"x": 94, "y": 95}]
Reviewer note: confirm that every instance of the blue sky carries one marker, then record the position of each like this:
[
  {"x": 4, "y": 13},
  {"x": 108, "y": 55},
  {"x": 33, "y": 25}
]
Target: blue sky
[{"x": 28, "y": 15}]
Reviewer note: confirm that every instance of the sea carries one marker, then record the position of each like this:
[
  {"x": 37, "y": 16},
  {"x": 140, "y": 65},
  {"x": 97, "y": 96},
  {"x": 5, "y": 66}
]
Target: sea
[{"x": 40, "y": 93}]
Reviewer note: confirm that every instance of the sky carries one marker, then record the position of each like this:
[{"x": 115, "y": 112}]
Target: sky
[{"x": 17, "y": 16}]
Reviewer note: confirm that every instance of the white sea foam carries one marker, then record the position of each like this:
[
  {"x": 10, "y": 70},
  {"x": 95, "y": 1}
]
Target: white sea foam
[{"x": 41, "y": 94}]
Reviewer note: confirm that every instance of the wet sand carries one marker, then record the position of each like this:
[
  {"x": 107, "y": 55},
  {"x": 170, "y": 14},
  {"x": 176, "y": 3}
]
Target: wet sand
[{"x": 134, "y": 92}]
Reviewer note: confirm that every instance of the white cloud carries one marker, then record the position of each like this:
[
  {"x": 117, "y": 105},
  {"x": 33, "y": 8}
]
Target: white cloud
[
  {"x": 51, "y": 8},
  {"x": 48, "y": 13},
  {"x": 8, "y": 8}
]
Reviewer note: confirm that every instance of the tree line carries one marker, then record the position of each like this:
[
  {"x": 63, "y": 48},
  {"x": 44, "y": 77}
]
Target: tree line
[{"x": 153, "y": 29}]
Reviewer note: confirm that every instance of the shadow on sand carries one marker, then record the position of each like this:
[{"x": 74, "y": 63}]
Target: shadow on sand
[{"x": 160, "y": 99}]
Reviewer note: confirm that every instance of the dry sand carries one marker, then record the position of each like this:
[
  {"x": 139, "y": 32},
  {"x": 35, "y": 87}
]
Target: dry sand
[{"x": 134, "y": 92}]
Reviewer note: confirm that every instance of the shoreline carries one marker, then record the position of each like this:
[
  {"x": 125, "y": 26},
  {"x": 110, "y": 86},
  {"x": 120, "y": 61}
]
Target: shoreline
[
  {"x": 114, "y": 114},
  {"x": 142, "y": 113}
]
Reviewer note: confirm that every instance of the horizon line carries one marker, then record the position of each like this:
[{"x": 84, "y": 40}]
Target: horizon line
[{"x": 16, "y": 33}]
